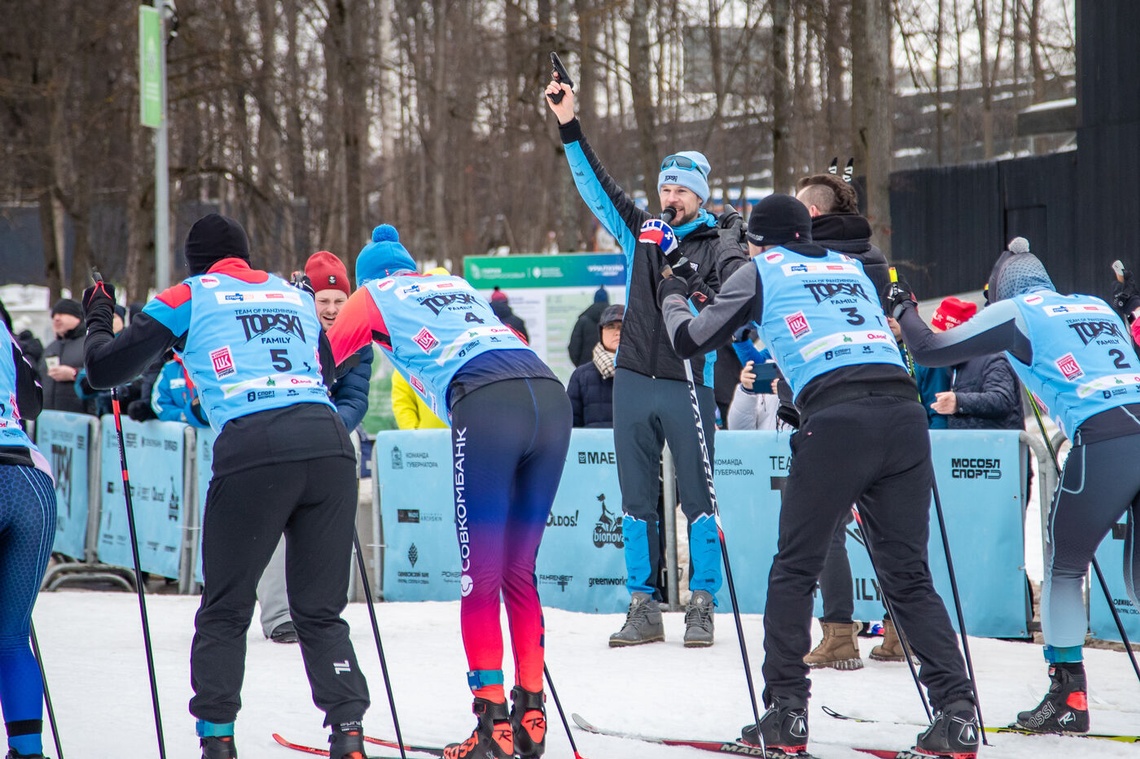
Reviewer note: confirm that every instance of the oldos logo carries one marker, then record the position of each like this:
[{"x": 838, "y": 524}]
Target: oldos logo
[{"x": 259, "y": 325}]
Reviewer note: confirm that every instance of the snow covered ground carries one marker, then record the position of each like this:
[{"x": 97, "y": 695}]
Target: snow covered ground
[{"x": 93, "y": 651}]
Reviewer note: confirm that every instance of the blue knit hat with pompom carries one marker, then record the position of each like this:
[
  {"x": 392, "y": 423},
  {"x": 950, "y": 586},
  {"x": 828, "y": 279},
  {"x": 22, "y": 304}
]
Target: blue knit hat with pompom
[{"x": 383, "y": 257}]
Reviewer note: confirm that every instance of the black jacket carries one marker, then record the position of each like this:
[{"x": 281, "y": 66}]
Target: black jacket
[
  {"x": 717, "y": 251},
  {"x": 850, "y": 233},
  {"x": 585, "y": 334},
  {"x": 508, "y": 317},
  {"x": 989, "y": 395},
  {"x": 591, "y": 397},
  {"x": 61, "y": 396}
]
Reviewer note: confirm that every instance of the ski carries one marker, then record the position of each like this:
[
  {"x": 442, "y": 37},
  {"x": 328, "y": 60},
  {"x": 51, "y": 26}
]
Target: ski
[
  {"x": 1010, "y": 730},
  {"x": 314, "y": 750},
  {"x": 431, "y": 750},
  {"x": 734, "y": 748}
]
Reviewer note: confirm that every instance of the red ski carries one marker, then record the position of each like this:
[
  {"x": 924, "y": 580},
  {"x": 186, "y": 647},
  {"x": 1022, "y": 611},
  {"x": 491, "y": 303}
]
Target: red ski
[{"x": 315, "y": 750}]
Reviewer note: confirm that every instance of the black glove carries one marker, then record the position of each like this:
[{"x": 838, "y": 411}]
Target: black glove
[
  {"x": 141, "y": 411},
  {"x": 99, "y": 303},
  {"x": 899, "y": 297},
  {"x": 1126, "y": 296},
  {"x": 301, "y": 281}
]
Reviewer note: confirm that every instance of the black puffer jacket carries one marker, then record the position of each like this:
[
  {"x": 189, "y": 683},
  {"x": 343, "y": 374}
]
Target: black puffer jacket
[
  {"x": 989, "y": 395},
  {"x": 585, "y": 336},
  {"x": 61, "y": 396},
  {"x": 591, "y": 397},
  {"x": 717, "y": 251},
  {"x": 850, "y": 233}
]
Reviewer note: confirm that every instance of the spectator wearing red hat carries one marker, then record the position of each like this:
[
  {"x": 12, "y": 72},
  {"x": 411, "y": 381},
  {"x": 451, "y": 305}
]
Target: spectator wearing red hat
[
  {"x": 501, "y": 305},
  {"x": 984, "y": 393}
]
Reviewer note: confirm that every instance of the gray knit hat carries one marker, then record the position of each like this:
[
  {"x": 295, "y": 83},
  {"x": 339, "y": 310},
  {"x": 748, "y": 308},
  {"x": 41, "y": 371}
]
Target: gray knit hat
[{"x": 1018, "y": 272}]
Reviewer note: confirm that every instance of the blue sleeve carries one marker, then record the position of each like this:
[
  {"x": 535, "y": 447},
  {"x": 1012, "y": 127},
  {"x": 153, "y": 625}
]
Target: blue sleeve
[
  {"x": 932, "y": 381},
  {"x": 350, "y": 392}
]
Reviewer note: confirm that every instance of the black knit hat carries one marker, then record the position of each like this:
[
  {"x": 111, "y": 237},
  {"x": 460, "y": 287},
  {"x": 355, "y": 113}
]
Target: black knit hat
[
  {"x": 212, "y": 238},
  {"x": 778, "y": 219},
  {"x": 69, "y": 307}
]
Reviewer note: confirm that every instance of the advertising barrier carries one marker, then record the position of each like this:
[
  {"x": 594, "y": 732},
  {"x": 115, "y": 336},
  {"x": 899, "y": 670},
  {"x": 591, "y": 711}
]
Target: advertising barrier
[
  {"x": 1110, "y": 557},
  {"x": 66, "y": 440},
  {"x": 155, "y": 455}
]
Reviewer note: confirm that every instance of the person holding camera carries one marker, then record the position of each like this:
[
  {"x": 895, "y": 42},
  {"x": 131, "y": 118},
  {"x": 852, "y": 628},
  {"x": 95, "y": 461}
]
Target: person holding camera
[{"x": 651, "y": 394}]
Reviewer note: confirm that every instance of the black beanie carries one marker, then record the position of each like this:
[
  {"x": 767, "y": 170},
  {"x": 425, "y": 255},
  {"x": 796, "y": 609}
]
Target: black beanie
[
  {"x": 69, "y": 307},
  {"x": 213, "y": 238},
  {"x": 778, "y": 219}
]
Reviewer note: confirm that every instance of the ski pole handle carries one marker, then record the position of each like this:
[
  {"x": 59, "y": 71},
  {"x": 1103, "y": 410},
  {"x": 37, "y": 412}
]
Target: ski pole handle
[
  {"x": 894, "y": 274},
  {"x": 1119, "y": 270}
]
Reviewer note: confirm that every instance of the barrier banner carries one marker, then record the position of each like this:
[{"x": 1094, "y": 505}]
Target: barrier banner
[
  {"x": 1110, "y": 557},
  {"x": 978, "y": 475},
  {"x": 65, "y": 440},
  {"x": 203, "y": 472},
  {"x": 581, "y": 566},
  {"x": 154, "y": 453}
]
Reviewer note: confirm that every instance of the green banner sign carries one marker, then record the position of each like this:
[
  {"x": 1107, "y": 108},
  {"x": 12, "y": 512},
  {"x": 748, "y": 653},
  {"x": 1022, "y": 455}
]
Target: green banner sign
[{"x": 150, "y": 67}]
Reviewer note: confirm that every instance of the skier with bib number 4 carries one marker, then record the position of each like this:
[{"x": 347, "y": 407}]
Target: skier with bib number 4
[
  {"x": 510, "y": 424},
  {"x": 1075, "y": 355},
  {"x": 819, "y": 315}
]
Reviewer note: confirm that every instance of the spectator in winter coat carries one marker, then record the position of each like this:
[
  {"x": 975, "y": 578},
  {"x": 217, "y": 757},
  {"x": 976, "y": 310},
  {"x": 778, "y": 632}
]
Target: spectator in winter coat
[
  {"x": 584, "y": 336},
  {"x": 984, "y": 392},
  {"x": 62, "y": 360},
  {"x": 409, "y": 409},
  {"x": 174, "y": 398},
  {"x": 501, "y": 305},
  {"x": 591, "y": 386}
]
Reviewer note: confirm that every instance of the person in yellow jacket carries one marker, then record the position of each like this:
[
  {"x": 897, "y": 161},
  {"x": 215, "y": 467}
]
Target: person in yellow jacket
[{"x": 410, "y": 411}]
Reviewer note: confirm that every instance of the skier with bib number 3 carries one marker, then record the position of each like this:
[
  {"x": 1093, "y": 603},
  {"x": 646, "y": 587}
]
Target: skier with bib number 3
[{"x": 819, "y": 315}]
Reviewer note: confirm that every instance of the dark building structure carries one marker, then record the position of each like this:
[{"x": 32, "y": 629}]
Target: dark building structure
[{"x": 1079, "y": 209}]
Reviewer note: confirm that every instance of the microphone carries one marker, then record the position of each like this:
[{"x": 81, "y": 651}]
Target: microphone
[{"x": 667, "y": 214}]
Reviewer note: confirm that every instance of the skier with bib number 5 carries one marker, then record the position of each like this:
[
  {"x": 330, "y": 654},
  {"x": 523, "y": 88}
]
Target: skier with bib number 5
[{"x": 510, "y": 424}]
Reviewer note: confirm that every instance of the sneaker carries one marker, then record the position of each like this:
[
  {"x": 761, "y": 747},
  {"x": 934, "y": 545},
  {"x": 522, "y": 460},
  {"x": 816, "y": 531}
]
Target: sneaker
[
  {"x": 528, "y": 721},
  {"x": 784, "y": 728},
  {"x": 954, "y": 734},
  {"x": 839, "y": 648},
  {"x": 699, "y": 620},
  {"x": 642, "y": 623},
  {"x": 1065, "y": 708},
  {"x": 347, "y": 741},
  {"x": 218, "y": 747},
  {"x": 492, "y": 738},
  {"x": 284, "y": 633}
]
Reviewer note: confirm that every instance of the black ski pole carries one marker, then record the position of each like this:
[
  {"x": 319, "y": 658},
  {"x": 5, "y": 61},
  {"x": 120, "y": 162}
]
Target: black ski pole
[
  {"x": 376, "y": 634},
  {"x": 866, "y": 541},
  {"x": 950, "y": 566},
  {"x": 561, "y": 714},
  {"x": 706, "y": 461},
  {"x": 47, "y": 694},
  {"x": 1095, "y": 564},
  {"x": 138, "y": 573}
]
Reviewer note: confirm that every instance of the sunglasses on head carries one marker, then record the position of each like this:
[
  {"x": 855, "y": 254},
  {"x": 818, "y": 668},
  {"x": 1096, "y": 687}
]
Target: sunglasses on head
[{"x": 682, "y": 162}]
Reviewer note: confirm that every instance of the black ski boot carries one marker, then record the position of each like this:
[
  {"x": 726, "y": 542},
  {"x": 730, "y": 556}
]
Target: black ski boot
[
  {"x": 954, "y": 733},
  {"x": 347, "y": 741},
  {"x": 14, "y": 754},
  {"x": 492, "y": 738},
  {"x": 1065, "y": 708},
  {"x": 218, "y": 747},
  {"x": 784, "y": 728},
  {"x": 528, "y": 721}
]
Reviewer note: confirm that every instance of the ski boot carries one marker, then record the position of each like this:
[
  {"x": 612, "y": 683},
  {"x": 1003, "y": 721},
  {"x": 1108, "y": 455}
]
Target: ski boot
[
  {"x": 1065, "y": 708},
  {"x": 954, "y": 734},
  {"x": 347, "y": 741},
  {"x": 218, "y": 747},
  {"x": 642, "y": 623},
  {"x": 528, "y": 722},
  {"x": 492, "y": 738},
  {"x": 784, "y": 729},
  {"x": 14, "y": 754}
]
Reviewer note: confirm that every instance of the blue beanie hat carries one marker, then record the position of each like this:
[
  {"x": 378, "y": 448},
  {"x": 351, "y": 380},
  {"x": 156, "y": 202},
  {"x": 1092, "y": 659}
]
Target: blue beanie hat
[
  {"x": 694, "y": 179},
  {"x": 382, "y": 257}
]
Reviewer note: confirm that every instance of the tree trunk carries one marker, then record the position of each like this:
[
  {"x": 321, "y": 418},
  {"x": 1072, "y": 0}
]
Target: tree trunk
[
  {"x": 871, "y": 101},
  {"x": 782, "y": 180},
  {"x": 641, "y": 85}
]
